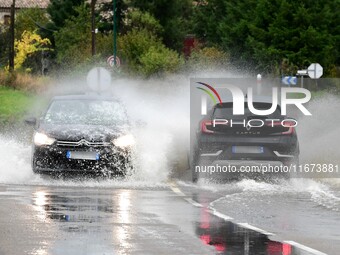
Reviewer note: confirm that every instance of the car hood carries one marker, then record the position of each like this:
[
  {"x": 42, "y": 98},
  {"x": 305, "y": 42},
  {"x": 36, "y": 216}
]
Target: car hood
[{"x": 78, "y": 132}]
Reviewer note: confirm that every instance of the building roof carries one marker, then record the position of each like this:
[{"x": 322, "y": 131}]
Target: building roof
[{"x": 25, "y": 4}]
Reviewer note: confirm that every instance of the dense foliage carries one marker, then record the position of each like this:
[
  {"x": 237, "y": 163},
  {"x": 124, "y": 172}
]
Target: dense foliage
[
  {"x": 272, "y": 36},
  {"x": 268, "y": 36}
]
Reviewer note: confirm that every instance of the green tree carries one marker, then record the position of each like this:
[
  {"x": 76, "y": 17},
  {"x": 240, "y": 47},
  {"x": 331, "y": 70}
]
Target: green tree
[
  {"x": 261, "y": 34},
  {"x": 104, "y": 12},
  {"x": 174, "y": 17},
  {"x": 31, "y": 19},
  {"x": 73, "y": 41},
  {"x": 4, "y": 45},
  {"x": 62, "y": 10},
  {"x": 206, "y": 20},
  {"x": 139, "y": 20},
  {"x": 59, "y": 11}
]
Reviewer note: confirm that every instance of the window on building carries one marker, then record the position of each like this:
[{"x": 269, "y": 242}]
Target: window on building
[{"x": 7, "y": 19}]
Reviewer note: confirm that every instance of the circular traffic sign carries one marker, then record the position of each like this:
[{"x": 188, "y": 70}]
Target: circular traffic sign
[
  {"x": 315, "y": 71},
  {"x": 99, "y": 79},
  {"x": 111, "y": 61}
]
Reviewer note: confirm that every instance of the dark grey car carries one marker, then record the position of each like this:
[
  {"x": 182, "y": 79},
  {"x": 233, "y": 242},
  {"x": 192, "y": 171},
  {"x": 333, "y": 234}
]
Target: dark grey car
[
  {"x": 82, "y": 133},
  {"x": 263, "y": 143}
]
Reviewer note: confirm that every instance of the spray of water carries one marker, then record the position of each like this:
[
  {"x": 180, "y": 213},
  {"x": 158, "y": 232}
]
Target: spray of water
[
  {"x": 159, "y": 114},
  {"x": 318, "y": 134},
  {"x": 15, "y": 161}
]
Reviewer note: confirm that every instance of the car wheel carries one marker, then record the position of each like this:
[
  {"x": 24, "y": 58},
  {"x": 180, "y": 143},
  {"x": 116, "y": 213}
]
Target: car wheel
[
  {"x": 34, "y": 167},
  {"x": 196, "y": 175},
  {"x": 291, "y": 164},
  {"x": 193, "y": 163}
]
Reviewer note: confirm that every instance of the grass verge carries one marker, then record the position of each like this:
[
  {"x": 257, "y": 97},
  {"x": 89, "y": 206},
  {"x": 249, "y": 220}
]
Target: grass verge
[{"x": 14, "y": 104}]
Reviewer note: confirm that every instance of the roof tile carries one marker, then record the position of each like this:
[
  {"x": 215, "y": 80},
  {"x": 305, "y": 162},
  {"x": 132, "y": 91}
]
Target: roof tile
[{"x": 25, "y": 3}]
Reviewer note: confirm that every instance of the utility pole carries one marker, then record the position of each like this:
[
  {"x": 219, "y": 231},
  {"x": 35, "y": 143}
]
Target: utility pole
[
  {"x": 93, "y": 27},
  {"x": 114, "y": 32},
  {"x": 12, "y": 38}
]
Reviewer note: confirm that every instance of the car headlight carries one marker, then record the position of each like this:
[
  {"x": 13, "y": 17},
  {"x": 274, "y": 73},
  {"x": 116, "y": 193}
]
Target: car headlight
[
  {"x": 124, "y": 141},
  {"x": 42, "y": 139}
]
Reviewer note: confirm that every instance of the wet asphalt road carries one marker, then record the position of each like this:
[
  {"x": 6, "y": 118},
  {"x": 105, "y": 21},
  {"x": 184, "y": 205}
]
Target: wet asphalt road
[{"x": 43, "y": 220}]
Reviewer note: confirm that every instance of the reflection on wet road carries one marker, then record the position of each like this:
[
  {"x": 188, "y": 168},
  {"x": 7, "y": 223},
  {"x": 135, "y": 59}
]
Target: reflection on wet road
[{"x": 43, "y": 220}]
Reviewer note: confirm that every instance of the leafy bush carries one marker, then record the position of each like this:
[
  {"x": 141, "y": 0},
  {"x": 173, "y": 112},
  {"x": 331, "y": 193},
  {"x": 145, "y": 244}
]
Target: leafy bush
[
  {"x": 24, "y": 81},
  {"x": 29, "y": 44},
  {"x": 207, "y": 58},
  {"x": 134, "y": 44},
  {"x": 159, "y": 61},
  {"x": 146, "y": 54}
]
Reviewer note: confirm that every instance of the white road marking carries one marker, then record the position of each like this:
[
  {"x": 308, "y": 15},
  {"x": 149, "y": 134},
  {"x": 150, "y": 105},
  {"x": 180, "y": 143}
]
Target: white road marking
[
  {"x": 211, "y": 204},
  {"x": 305, "y": 248},
  {"x": 191, "y": 201},
  {"x": 175, "y": 189},
  {"x": 248, "y": 226},
  {"x": 220, "y": 215},
  {"x": 213, "y": 211}
]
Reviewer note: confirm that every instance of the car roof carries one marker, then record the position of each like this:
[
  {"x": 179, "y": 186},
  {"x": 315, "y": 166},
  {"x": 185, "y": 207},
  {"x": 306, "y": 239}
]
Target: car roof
[
  {"x": 256, "y": 99},
  {"x": 85, "y": 97}
]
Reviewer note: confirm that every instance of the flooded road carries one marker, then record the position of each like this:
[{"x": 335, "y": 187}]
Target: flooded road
[
  {"x": 168, "y": 218},
  {"x": 54, "y": 220},
  {"x": 151, "y": 213},
  {"x": 305, "y": 211}
]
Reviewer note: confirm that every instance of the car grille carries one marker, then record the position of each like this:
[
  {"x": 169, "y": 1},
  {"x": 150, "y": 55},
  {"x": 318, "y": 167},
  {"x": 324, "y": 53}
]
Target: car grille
[{"x": 82, "y": 143}]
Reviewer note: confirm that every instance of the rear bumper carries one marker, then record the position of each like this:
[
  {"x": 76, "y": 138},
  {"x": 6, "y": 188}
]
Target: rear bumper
[
  {"x": 273, "y": 148},
  {"x": 54, "y": 159}
]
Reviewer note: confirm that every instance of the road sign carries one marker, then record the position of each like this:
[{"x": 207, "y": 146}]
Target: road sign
[
  {"x": 315, "y": 71},
  {"x": 99, "y": 79},
  {"x": 302, "y": 72},
  {"x": 289, "y": 80},
  {"x": 111, "y": 61}
]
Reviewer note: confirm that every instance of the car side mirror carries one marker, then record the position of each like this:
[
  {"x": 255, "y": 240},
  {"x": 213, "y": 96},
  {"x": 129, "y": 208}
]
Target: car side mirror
[{"x": 31, "y": 121}]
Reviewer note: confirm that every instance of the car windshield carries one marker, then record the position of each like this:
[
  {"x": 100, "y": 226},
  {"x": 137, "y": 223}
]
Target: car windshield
[{"x": 86, "y": 112}]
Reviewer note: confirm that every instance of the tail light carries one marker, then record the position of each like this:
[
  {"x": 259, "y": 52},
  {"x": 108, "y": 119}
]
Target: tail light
[
  {"x": 275, "y": 248},
  {"x": 204, "y": 126},
  {"x": 208, "y": 123},
  {"x": 288, "y": 124}
]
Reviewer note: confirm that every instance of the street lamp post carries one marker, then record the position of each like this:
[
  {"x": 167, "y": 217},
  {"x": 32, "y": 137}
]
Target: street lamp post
[
  {"x": 93, "y": 24},
  {"x": 114, "y": 32}
]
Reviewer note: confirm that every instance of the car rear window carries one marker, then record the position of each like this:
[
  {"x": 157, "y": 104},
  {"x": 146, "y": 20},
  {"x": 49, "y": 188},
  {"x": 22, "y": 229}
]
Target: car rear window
[{"x": 226, "y": 110}]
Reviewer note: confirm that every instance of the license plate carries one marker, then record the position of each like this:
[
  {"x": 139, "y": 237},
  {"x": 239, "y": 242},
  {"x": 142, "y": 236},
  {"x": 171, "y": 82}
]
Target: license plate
[
  {"x": 247, "y": 149},
  {"x": 88, "y": 155}
]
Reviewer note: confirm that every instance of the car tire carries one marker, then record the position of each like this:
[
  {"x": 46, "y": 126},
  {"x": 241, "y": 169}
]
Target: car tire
[
  {"x": 34, "y": 167},
  {"x": 198, "y": 175},
  {"x": 294, "y": 162}
]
